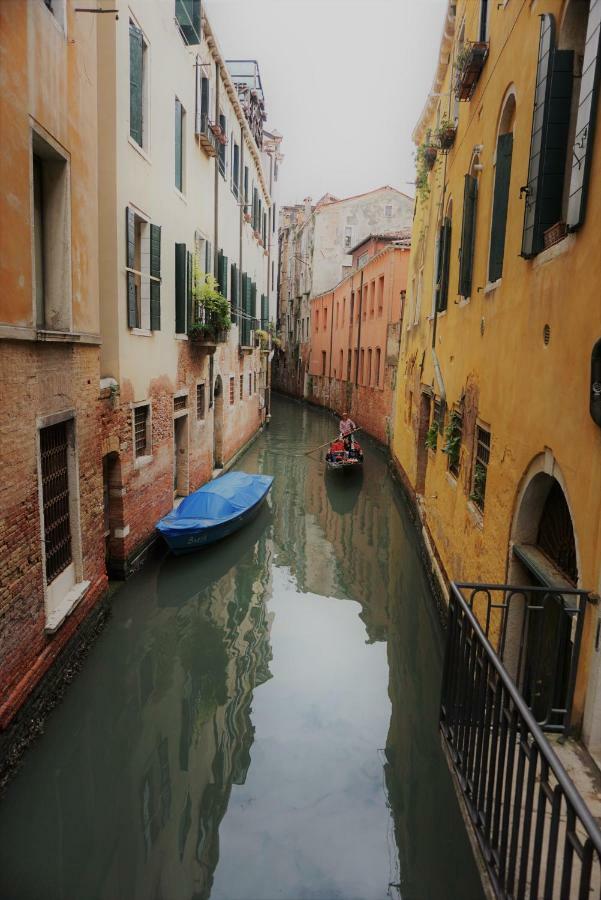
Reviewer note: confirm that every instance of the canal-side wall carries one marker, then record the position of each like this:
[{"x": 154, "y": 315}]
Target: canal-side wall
[{"x": 369, "y": 407}]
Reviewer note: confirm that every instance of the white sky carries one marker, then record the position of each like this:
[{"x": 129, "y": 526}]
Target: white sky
[{"x": 344, "y": 81}]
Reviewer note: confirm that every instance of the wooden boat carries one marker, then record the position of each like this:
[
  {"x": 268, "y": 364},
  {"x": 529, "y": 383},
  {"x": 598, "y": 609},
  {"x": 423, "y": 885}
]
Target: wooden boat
[
  {"x": 338, "y": 457},
  {"x": 213, "y": 511}
]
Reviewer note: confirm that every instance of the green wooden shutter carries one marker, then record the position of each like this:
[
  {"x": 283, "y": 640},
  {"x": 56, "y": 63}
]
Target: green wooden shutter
[
  {"x": 500, "y": 205},
  {"x": 204, "y": 103},
  {"x": 550, "y": 124},
  {"x": 178, "y": 146},
  {"x": 208, "y": 258},
  {"x": 136, "y": 46},
  {"x": 255, "y": 208},
  {"x": 468, "y": 234},
  {"x": 224, "y": 285},
  {"x": 130, "y": 242},
  {"x": 586, "y": 119},
  {"x": 180, "y": 288},
  {"x": 189, "y": 311},
  {"x": 246, "y": 184},
  {"x": 445, "y": 258},
  {"x": 155, "y": 271},
  {"x": 264, "y": 311},
  {"x": 187, "y": 13},
  {"x": 253, "y": 303},
  {"x": 220, "y": 270}
]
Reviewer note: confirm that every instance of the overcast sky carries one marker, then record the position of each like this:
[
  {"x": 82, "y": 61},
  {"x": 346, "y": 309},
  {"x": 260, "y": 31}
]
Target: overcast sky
[{"x": 344, "y": 81}]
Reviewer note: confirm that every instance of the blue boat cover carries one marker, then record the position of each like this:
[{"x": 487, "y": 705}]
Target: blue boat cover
[{"x": 217, "y": 502}]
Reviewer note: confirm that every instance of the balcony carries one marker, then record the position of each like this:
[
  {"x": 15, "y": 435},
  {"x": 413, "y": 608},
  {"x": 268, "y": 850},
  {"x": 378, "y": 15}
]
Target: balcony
[
  {"x": 469, "y": 65},
  {"x": 536, "y": 834},
  {"x": 205, "y": 330},
  {"x": 205, "y": 134}
]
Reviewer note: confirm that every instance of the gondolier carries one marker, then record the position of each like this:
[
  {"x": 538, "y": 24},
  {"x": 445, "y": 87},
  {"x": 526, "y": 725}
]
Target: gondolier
[{"x": 347, "y": 426}]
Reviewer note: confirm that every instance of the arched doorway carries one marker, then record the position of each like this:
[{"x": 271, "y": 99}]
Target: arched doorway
[
  {"x": 541, "y": 634},
  {"x": 218, "y": 424}
]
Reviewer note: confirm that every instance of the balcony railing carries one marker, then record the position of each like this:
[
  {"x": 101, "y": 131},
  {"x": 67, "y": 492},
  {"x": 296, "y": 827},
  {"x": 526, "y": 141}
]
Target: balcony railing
[
  {"x": 469, "y": 66},
  {"x": 537, "y": 836},
  {"x": 205, "y": 328},
  {"x": 205, "y": 134}
]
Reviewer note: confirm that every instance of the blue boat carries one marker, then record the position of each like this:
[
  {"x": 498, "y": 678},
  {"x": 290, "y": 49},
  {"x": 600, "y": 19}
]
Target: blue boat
[{"x": 215, "y": 510}]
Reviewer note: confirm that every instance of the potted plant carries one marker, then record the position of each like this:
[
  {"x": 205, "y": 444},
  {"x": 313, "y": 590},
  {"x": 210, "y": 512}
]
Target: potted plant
[
  {"x": 445, "y": 133},
  {"x": 469, "y": 62},
  {"x": 262, "y": 338},
  {"x": 424, "y": 161},
  {"x": 211, "y": 314}
]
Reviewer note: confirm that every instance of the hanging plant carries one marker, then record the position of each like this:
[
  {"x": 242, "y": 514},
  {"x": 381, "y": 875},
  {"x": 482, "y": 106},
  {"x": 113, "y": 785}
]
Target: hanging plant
[
  {"x": 211, "y": 312},
  {"x": 445, "y": 133},
  {"x": 432, "y": 437},
  {"x": 425, "y": 157},
  {"x": 452, "y": 445}
]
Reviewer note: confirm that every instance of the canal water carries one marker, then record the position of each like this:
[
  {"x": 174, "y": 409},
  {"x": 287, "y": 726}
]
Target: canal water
[{"x": 257, "y": 720}]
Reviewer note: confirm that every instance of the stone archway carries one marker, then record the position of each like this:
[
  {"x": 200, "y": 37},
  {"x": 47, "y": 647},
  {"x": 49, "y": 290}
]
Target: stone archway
[{"x": 218, "y": 423}]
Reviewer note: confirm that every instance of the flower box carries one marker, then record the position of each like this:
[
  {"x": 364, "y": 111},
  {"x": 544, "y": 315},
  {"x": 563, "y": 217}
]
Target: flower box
[
  {"x": 470, "y": 63},
  {"x": 446, "y": 137},
  {"x": 430, "y": 154},
  {"x": 555, "y": 234}
]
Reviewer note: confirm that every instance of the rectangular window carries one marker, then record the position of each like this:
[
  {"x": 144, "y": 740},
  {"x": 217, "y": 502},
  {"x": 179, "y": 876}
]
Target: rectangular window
[
  {"x": 378, "y": 355},
  {"x": 180, "y": 403},
  {"x": 480, "y": 472},
  {"x": 348, "y": 237},
  {"x": 348, "y": 366},
  {"x": 236, "y": 170},
  {"x": 143, "y": 270},
  {"x": 380, "y": 296},
  {"x": 341, "y": 364},
  {"x": 323, "y": 362},
  {"x": 468, "y": 235},
  {"x": 180, "y": 137},
  {"x": 372, "y": 302},
  {"x": 141, "y": 437},
  {"x": 200, "y": 401},
  {"x": 245, "y": 187},
  {"x": 388, "y": 211},
  {"x": 181, "y": 294},
  {"x": 443, "y": 266},
  {"x": 231, "y": 389},
  {"x": 54, "y": 450},
  {"x": 250, "y": 383},
  {"x": 369, "y": 367},
  {"x": 453, "y": 439},
  {"x": 362, "y": 366},
  {"x": 500, "y": 206},
  {"x": 51, "y": 237},
  {"x": 187, "y": 14},
  {"x": 242, "y": 387},
  {"x": 137, "y": 86},
  {"x": 255, "y": 382},
  {"x": 435, "y": 425}
]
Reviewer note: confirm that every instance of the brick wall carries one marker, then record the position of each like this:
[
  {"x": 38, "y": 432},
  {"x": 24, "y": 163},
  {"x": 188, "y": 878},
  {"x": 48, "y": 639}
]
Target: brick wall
[
  {"x": 39, "y": 380},
  {"x": 369, "y": 407}
]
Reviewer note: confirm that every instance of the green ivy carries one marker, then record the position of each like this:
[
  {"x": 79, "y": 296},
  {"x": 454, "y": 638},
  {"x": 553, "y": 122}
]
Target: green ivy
[
  {"x": 479, "y": 485},
  {"x": 432, "y": 436},
  {"x": 452, "y": 434}
]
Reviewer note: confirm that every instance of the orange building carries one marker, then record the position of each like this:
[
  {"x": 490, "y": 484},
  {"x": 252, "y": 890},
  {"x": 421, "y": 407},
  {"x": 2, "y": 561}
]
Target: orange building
[
  {"x": 51, "y": 501},
  {"x": 355, "y": 334}
]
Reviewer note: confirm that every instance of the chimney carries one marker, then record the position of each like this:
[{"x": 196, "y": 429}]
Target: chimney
[{"x": 308, "y": 201}]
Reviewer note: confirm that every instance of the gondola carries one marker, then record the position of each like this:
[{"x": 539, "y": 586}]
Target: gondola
[
  {"x": 339, "y": 458},
  {"x": 215, "y": 510}
]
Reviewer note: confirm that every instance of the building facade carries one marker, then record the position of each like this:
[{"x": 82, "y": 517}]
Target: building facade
[
  {"x": 355, "y": 332},
  {"x": 52, "y": 571},
  {"x": 497, "y": 422},
  {"x": 316, "y": 243},
  {"x": 183, "y": 194}
]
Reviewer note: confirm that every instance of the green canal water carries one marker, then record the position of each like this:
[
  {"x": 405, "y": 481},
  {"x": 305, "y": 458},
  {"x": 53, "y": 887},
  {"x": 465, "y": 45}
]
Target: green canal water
[{"x": 257, "y": 720}]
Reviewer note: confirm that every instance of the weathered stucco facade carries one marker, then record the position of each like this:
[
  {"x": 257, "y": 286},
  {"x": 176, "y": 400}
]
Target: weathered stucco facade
[
  {"x": 499, "y": 332},
  {"x": 52, "y": 573}
]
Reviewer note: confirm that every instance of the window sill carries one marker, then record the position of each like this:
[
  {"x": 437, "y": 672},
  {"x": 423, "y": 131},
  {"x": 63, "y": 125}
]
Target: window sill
[
  {"x": 491, "y": 286},
  {"x": 551, "y": 253},
  {"x": 475, "y": 515},
  {"x": 139, "y": 150},
  {"x": 55, "y": 619},
  {"x": 141, "y": 461},
  {"x": 69, "y": 337},
  {"x": 141, "y": 332},
  {"x": 181, "y": 337},
  {"x": 463, "y": 301},
  {"x": 181, "y": 196}
]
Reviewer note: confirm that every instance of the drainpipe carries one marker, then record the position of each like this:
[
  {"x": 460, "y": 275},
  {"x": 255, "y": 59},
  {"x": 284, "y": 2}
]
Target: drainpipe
[
  {"x": 242, "y": 205},
  {"x": 359, "y": 332},
  {"x": 330, "y": 365},
  {"x": 269, "y": 234},
  {"x": 216, "y": 196}
]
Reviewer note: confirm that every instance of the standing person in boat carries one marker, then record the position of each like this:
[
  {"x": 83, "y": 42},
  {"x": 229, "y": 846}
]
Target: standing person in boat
[{"x": 347, "y": 426}]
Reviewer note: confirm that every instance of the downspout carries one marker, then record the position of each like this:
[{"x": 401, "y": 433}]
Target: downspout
[
  {"x": 269, "y": 237},
  {"x": 359, "y": 332},
  {"x": 216, "y": 193},
  {"x": 242, "y": 205},
  {"x": 331, "y": 339}
]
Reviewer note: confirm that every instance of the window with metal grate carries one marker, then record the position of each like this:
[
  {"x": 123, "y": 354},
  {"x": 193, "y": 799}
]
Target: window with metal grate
[
  {"x": 141, "y": 430},
  {"x": 180, "y": 403},
  {"x": 231, "y": 389},
  {"x": 200, "y": 401},
  {"x": 481, "y": 461},
  {"x": 55, "y": 498}
]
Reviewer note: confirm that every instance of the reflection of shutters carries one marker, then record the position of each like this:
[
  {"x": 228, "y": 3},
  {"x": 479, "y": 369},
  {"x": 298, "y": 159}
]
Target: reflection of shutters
[
  {"x": 189, "y": 284},
  {"x": 135, "y": 83},
  {"x": 180, "y": 288},
  {"x": 585, "y": 123},
  {"x": 550, "y": 123},
  {"x": 500, "y": 204},
  {"x": 155, "y": 271},
  {"x": 468, "y": 234},
  {"x": 130, "y": 238},
  {"x": 445, "y": 257}
]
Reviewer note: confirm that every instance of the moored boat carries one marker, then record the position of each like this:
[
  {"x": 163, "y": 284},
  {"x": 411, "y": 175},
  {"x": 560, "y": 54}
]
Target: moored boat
[
  {"x": 339, "y": 457},
  {"x": 213, "y": 511}
]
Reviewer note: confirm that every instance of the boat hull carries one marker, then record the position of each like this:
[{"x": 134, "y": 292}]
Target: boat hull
[{"x": 193, "y": 539}]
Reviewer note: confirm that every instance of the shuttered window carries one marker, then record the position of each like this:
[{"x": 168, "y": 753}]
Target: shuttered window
[
  {"x": 179, "y": 146},
  {"x": 187, "y": 13},
  {"x": 236, "y": 169},
  {"x": 264, "y": 311},
  {"x": 136, "y": 81},
  {"x": 500, "y": 205},
  {"x": 222, "y": 263},
  {"x": 550, "y": 125},
  {"x": 253, "y": 303},
  {"x": 180, "y": 288},
  {"x": 586, "y": 119},
  {"x": 133, "y": 320},
  {"x": 204, "y": 104},
  {"x": 255, "y": 209},
  {"x": 222, "y": 156},
  {"x": 189, "y": 285},
  {"x": 245, "y": 184},
  {"x": 468, "y": 235},
  {"x": 208, "y": 258},
  {"x": 155, "y": 277},
  {"x": 443, "y": 265},
  {"x": 234, "y": 291}
]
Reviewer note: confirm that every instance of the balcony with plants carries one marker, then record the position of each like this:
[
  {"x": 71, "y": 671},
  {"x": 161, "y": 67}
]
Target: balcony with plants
[
  {"x": 206, "y": 136},
  {"x": 210, "y": 320},
  {"x": 468, "y": 67}
]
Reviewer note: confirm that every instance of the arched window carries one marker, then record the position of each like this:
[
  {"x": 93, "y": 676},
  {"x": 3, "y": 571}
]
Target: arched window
[
  {"x": 503, "y": 157},
  {"x": 468, "y": 228}
]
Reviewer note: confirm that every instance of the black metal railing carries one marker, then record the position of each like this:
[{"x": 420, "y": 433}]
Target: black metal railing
[
  {"x": 206, "y": 326},
  {"x": 537, "y": 836}
]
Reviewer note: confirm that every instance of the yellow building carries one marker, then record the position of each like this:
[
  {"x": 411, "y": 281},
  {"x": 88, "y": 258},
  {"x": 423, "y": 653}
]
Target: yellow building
[{"x": 497, "y": 420}]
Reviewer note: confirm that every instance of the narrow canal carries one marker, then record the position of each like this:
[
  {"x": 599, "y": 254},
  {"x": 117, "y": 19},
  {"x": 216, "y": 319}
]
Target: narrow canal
[{"x": 258, "y": 720}]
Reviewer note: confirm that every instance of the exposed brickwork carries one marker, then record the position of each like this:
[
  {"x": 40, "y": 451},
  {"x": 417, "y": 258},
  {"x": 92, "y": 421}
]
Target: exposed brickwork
[
  {"x": 369, "y": 407},
  {"x": 40, "y": 380}
]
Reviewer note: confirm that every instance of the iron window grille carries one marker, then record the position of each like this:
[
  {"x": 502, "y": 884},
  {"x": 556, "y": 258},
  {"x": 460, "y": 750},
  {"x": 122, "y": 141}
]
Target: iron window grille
[
  {"x": 232, "y": 389},
  {"x": 241, "y": 386},
  {"x": 200, "y": 401},
  {"x": 55, "y": 498},
  {"x": 250, "y": 383},
  {"x": 480, "y": 472},
  {"x": 454, "y": 440},
  {"x": 141, "y": 430},
  {"x": 180, "y": 403}
]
